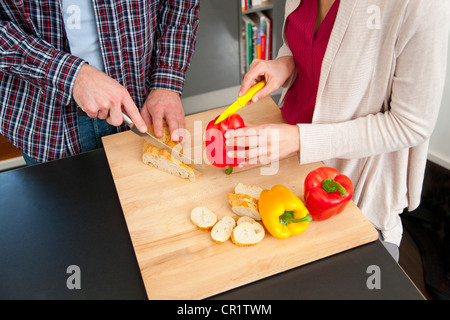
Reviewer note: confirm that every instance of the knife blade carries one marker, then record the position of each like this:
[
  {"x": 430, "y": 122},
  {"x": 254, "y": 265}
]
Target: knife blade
[
  {"x": 161, "y": 145},
  {"x": 241, "y": 101}
]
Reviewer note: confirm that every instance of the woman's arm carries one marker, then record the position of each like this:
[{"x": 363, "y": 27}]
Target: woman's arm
[
  {"x": 415, "y": 98},
  {"x": 421, "y": 51}
]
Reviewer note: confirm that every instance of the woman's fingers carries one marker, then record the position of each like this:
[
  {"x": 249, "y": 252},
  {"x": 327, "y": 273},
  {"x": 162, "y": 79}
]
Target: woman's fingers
[
  {"x": 254, "y": 75},
  {"x": 262, "y": 143},
  {"x": 253, "y": 144}
]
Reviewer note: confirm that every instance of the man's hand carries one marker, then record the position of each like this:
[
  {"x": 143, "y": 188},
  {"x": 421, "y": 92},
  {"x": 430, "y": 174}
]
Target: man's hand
[
  {"x": 164, "y": 104},
  {"x": 101, "y": 96}
]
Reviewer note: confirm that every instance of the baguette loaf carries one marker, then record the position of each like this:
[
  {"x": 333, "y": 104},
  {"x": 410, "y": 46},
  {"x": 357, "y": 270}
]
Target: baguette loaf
[
  {"x": 252, "y": 191},
  {"x": 203, "y": 218},
  {"x": 247, "y": 234},
  {"x": 221, "y": 231},
  {"x": 163, "y": 160}
]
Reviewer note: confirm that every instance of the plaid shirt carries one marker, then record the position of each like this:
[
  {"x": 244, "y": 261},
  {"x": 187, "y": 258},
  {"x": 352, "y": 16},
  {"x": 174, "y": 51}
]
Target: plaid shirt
[{"x": 145, "y": 45}]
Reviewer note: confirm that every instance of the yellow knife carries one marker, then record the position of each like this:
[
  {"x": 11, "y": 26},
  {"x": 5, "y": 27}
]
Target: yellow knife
[{"x": 241, "y": 101}]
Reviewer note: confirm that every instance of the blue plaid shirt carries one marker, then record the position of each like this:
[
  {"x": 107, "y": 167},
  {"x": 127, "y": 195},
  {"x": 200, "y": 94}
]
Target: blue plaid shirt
[{"x": 145, "y": 45}]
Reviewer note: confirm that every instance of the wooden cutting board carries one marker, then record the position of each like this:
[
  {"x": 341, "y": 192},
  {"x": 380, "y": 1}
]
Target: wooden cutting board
[{"x": 178, "y": 261}]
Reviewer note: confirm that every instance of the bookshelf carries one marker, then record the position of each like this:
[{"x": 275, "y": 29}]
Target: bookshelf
[
  {"x": 260, "y": 26},
  {"x": 249, "y": 6},
  {"x": 214, "y": 77}
]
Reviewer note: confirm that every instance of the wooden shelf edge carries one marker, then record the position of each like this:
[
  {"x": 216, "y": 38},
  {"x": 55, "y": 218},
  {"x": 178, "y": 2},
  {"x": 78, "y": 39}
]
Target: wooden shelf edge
[{"x": 12, "y": 163}]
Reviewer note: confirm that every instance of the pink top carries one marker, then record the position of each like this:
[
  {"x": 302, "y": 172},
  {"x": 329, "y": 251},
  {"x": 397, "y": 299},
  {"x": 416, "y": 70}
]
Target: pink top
[{"x": 308, "y": 50}]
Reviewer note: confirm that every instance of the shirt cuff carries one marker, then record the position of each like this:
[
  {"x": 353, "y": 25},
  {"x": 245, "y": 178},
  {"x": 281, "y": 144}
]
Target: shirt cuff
[
  {"x": 61, "y": 73},
  {"x": 167, "y": 78}
]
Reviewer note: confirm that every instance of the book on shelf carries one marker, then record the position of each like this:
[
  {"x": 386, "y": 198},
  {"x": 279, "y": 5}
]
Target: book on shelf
[
  {"x": 256, "y": 40},
  {"x": 248, "y": 4},
  {"x": 248, "y": 28}
]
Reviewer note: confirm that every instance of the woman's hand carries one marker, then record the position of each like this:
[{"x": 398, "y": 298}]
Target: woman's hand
[
  {"x": 274, "y": 72},
  {"x": 263, "y": 143}
]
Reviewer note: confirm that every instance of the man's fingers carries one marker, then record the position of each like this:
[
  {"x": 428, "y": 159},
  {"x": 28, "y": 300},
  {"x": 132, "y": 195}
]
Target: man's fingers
[
  {"x": 172, "y": 124},
  {"x": 157, "y": 125},
  {"x": 91, "y": 113},
  {"x": 133, "y": 112},
  {"x": 177, "y": 126},
  {"x": 147, "y": 117},
  {"x": 102, "y": 114},
  {"x": 115, "y": 117},
  {"x": 164, "y": 104}
]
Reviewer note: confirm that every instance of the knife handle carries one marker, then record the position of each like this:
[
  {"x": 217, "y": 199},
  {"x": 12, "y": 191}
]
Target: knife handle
[
  {"x": 251, "y": 92},
  {"x": 126, "y": 119}
]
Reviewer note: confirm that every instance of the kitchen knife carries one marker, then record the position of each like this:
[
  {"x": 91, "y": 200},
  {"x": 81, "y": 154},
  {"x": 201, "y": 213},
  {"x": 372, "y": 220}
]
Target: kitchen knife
[
  {"x": 241, "y": 101},
  {"x": 159, "y": 144}
]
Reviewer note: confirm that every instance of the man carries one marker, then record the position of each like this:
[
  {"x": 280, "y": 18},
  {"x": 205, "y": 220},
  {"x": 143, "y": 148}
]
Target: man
[{"x": 69, "y": 68}]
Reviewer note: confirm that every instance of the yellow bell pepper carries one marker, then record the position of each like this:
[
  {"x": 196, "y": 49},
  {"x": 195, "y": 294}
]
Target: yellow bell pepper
[{"x": 282, "y": 212}]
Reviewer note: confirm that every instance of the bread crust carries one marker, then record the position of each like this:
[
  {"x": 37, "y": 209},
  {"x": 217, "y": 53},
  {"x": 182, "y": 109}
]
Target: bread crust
[
  {"x": 251, "y": 190},
  {"x": 222, "y": 230},
  {"x": 244, "y": 200},
  {"x": 248, "y": 234},
  {"x": 203, "y": 218},
  {"x": 162, "y": 159}
]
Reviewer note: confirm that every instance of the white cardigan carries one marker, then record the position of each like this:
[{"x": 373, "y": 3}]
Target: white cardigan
[{"x": 379, "y": 95}]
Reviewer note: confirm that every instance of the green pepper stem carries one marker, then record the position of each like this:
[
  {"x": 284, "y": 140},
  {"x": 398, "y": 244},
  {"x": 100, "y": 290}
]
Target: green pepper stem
[
  {"x": 288, "y": 217},
  {"x": 229, "y": 170},
  {"x": 330, "y": 185}
]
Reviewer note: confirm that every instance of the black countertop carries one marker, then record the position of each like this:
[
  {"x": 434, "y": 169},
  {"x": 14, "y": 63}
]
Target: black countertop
[{"x": 67, "y": 213}]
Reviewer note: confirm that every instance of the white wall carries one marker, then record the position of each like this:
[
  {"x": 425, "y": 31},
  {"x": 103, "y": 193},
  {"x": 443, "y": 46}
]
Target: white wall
[{"x": 439, "y": 151}]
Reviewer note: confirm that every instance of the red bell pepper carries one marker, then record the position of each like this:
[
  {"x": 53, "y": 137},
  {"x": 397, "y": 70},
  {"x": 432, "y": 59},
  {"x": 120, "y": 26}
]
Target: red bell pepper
[
  {"x": 327, "y": 192},
  {"x": 216, "y": 150}
]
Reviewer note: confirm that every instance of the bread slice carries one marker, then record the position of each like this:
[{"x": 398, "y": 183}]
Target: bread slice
[
  {"x": 247, "y": 234},
  {"x": 162, "y": 159},
  {"x": 245, "y": 208},
  {"x": 244, "y": 219},
  {"x": 203, "y": 218},
  {"x": 244, "y": 200},
  {"x": 242, "y": 197},
  {"x": 222, "y": 230},
  {"x": 250, "y": 190}
]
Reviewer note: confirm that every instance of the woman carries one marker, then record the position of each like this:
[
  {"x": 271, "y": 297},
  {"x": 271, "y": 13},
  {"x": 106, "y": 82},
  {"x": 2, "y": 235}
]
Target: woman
[{"x": 363, "y": 82}]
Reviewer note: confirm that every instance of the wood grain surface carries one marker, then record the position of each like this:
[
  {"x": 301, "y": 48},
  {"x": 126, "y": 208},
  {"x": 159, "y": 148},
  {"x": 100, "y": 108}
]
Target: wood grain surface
[{"x": 178, "y": 261}]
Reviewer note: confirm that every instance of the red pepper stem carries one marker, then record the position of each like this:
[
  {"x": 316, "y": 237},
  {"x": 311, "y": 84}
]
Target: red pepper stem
[
  {"x": 330, "y": 185},
  {"x": 288, "y": 217},
  {"x": 229, "y": 170}
]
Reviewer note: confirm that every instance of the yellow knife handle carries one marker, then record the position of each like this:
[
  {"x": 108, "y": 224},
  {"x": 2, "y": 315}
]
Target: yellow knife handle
[
  {"x": 251, "y": 92},
  {"x": 241, "y": 101}
]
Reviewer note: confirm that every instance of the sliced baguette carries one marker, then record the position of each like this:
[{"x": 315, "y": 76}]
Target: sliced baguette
[
  {"x": 245, "y": 208},
  {"x": 244, "y": 219},
  {"x": 222, "y": 230},
  {"x": 203, "y": 218},
  {"x": 247, "y": 234},
  {"x": 250, "y": 190},
  {"x": 163, "y": 160},
  {"x": 242, "y": 197}
]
